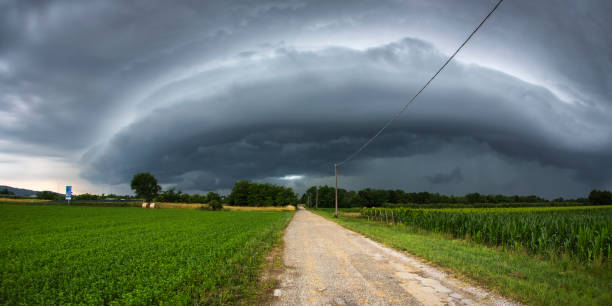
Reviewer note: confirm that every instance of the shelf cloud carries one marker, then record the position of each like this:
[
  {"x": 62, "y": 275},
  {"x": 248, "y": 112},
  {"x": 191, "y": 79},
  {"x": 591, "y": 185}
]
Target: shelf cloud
[{"x": 204, "y": 94}]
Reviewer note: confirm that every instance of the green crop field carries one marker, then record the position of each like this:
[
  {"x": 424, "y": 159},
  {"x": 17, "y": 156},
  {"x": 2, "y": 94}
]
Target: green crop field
[
  {"x": 104, "y": 255},
  {"x": 583, "y": 233}
]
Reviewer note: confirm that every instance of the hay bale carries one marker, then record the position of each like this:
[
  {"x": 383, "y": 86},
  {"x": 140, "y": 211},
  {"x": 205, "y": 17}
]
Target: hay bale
[
  {"x": 152, "y": 205},
  {"x": 144, "y": 205}
]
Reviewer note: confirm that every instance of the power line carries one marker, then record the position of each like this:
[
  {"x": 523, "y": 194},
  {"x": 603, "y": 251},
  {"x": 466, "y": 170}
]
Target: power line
[
  {"x": 406, "y": 106},
  {"x": 419, "y": 92}
]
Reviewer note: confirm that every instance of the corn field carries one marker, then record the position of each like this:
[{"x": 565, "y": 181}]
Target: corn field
[{"x": 582, "y": 233}]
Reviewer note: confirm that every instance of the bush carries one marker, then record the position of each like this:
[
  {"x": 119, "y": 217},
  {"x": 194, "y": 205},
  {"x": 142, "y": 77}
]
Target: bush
[{"x": 215, "y": 205}]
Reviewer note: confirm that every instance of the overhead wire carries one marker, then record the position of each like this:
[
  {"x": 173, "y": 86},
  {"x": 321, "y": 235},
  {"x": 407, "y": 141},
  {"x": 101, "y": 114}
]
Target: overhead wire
[{"x": 396, "y": 115}]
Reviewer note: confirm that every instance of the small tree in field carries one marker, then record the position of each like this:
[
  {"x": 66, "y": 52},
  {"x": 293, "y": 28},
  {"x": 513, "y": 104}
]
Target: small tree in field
[{"x": 145, "y": 186}]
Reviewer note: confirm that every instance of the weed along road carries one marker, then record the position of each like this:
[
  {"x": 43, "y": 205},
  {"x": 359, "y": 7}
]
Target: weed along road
[{"x": 327, "y": 264}]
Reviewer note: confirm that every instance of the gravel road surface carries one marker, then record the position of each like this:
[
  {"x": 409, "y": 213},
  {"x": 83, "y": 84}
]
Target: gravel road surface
[{"x": 327, "y": 264}]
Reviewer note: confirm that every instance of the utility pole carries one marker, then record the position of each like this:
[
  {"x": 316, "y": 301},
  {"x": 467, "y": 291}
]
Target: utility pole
[
  {"x": 309, "y": 200},
  {"x": 317, "y": 202},
  {"x": 336, "y": 172}
]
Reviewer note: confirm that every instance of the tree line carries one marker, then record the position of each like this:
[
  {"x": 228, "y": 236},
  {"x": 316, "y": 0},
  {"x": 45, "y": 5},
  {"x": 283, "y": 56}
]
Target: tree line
[
  {"x": 370, "y": 197},
  {"x": 256, "y": 194},
  {"x": 172, "y": 195},
  {"x": 244, "y": 193}
]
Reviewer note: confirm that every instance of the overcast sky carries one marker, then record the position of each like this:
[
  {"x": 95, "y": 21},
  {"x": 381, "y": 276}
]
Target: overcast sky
[{"x": 204, "y": 93}]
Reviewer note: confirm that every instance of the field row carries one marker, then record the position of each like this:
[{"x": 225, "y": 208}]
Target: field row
[{"x": 582, "y": 233}]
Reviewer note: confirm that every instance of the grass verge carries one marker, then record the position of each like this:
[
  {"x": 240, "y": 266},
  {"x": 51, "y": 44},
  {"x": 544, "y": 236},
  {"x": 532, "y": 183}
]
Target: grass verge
[
  {"x": 524, "y": 278},
  {"x": 270, "y": 276}
]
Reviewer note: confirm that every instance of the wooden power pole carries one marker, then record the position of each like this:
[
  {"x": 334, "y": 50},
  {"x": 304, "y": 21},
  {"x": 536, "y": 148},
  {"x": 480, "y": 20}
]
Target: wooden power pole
[
  {"x": 317, "y": 201},
  {"x": 336, "y": 172}
]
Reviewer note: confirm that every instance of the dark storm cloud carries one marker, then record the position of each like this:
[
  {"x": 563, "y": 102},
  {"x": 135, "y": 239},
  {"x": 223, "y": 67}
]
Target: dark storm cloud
[
  {"x": 445, "y": 178},
  {"x": 203, "y": 93},
  {"x": 70, "y": 63},
  {"x": 320, "y": 106},
  {"x": 577, "y": 38}
]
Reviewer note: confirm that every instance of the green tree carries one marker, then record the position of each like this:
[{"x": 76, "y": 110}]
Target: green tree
[
  {"x": 145, "y": 186},
  {"x": 327, "y": 197},
  {"x": 600, "y": 197},
  {"x": 374, "y": 197},
  {"x": 240, "y": 193},
  {"x": 350, "y": 199},
  {"x": 474, "y": 197},
  {"x": 212, "y": 196},
  {"x": 170, "y": 195},
  {"x": 48, "y": 195},
  {"x": 256, "y": 194}
]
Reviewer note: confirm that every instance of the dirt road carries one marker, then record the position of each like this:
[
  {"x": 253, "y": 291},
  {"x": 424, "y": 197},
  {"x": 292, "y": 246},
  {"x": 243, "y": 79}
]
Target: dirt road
[{"x": 327, "y": 264}]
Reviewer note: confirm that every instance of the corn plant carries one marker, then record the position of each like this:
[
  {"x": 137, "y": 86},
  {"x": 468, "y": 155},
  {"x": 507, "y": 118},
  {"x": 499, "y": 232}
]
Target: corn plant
[{"x": 583, "y": 233}]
